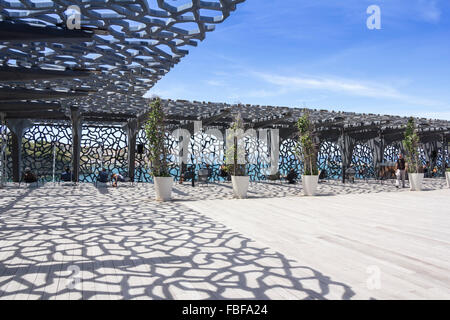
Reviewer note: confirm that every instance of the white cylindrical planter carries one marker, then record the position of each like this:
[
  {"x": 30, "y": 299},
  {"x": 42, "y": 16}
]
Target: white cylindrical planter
[
  {"x": 447, "y": 177},
  {"x": 309, "y": 184},
  {"x": 163, "y": 188},
  {"x": 415, "y": 181},
  {"x": 240, "y": 186}
]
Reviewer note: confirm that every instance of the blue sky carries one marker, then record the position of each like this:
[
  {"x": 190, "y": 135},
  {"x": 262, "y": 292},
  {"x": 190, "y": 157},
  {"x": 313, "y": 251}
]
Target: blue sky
[{"x": 320, "y": 54}]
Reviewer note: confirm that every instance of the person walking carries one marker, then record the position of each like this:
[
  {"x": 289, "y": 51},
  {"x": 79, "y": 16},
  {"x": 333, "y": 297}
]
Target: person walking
[{"x": 400, "y": 171}]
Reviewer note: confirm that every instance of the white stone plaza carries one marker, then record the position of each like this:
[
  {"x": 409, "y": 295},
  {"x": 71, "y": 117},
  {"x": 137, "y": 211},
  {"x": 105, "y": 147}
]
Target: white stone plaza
[{"x": 355, "y": 241}]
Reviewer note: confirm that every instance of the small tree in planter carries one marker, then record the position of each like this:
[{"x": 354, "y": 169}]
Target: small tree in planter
[
  {"x": 237, "y": 170},
  {"x": 155, "y": 132},
  {"x": 308, "y": 143},
  {"x": 411, "y": 145}
]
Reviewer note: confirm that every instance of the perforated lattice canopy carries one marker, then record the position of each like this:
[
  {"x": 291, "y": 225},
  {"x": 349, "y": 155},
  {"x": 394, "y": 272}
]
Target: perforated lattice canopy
[{"x": 124, "y": 46}]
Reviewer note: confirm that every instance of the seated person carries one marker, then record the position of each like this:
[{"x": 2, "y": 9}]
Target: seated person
[
  {"x": 189, "y": 174},
  {"x": 425, "y": 169},
  {"x": 435, "y": 172},
  {"x": 117, "y": 177},
  {"x": 323, "y": 174},
  {"x": 67, "y": 175},
  {"x": 28, "y": 176},
  {"x": 226, "y": 171},
  {"x": 102, "y": 176},
  {"x": 350, "y": 173},
  {"x": 223, "y": 173},
  {"x": 210, "y": 171},
  {"x": 292, "y": 177},
  {"x": 186, "y": 173}
]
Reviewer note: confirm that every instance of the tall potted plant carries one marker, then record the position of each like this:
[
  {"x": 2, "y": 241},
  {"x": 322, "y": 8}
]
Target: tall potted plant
[
  {"x": 411, "y": 145},
  {"x": 155, "y": 132},
  {"x": 239, "y": 179},
  {"x": 308, "y": 143}
]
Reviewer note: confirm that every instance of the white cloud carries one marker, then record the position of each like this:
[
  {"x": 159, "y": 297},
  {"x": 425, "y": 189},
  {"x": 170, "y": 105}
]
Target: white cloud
[
  {"x": 215, "y": 83},
  {"x": 261, "y": 93},
  {"x": 429, "y": 11},
  {"x": 349, "y": 86}
]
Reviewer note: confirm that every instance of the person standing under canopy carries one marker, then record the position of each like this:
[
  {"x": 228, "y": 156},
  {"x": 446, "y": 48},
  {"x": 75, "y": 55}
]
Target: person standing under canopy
[{"x": 400, "y": 171}]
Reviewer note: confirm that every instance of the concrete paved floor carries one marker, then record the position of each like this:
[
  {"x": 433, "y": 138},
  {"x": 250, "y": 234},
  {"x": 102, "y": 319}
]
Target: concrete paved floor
[
  {"x": 382, "y": 245},
  {"x": 59, "y": 242}
]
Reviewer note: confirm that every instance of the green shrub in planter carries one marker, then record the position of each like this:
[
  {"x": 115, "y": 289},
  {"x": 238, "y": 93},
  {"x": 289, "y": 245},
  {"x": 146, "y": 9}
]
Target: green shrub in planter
[
  {"x": 411, "y": 145},
  {"x": 155, "y": 132},
  {"x": 234, "y": 168},
  {"x": 309, "y": 145}
]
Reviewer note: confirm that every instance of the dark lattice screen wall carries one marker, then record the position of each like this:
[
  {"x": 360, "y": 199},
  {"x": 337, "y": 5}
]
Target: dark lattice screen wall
[
  {"x": 391, "y": 154},
  {"x": 142, "y": 173},
  {"x": 288, "y": 157},
  {"x": 442, "y": 158},
  {"x": 257, "y": 158},
  {"x": 362, "y": 161},
  {"x": 172, "y": 152},
  {"x": 207, "y": 150},
  {"x": 422, "y": 156},
  {"x": 330, "y": 159},
  {"x": 40, "y": 144},
  {"x": 102, "y": 147},
  {"x": 107, "y": 147},
  {"x": 8, "y": 158},
  {"x": 4, "y": 135}
]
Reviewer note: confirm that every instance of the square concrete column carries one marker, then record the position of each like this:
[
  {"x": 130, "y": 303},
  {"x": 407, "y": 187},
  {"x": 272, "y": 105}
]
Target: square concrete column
[
  {"x": 346, "y": 145},
  {"x": 17, "y": 127},
  {"x": 444, "y": 151},
  {"x": 3, "y": 146},
  {"x": 132, "y": 130},
  {"x": 75, "y": 116},
  {"x": 377, "y": 145}
]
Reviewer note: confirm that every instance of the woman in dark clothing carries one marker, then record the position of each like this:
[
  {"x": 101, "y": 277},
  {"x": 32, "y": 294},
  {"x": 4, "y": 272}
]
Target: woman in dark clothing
[
  {"x": 103, "y": 176},
  {"x": 400, "y": 171},
  {"x": 67, "y": 175},
  {"x": 292, "y": 176},
  {"x": 28, "y": 176}
]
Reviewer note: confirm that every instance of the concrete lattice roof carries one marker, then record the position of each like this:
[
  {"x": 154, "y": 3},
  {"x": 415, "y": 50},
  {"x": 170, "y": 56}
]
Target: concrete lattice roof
[
  {"x": 124, "y": 46},
  {"x": 332, "y": 122}
]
